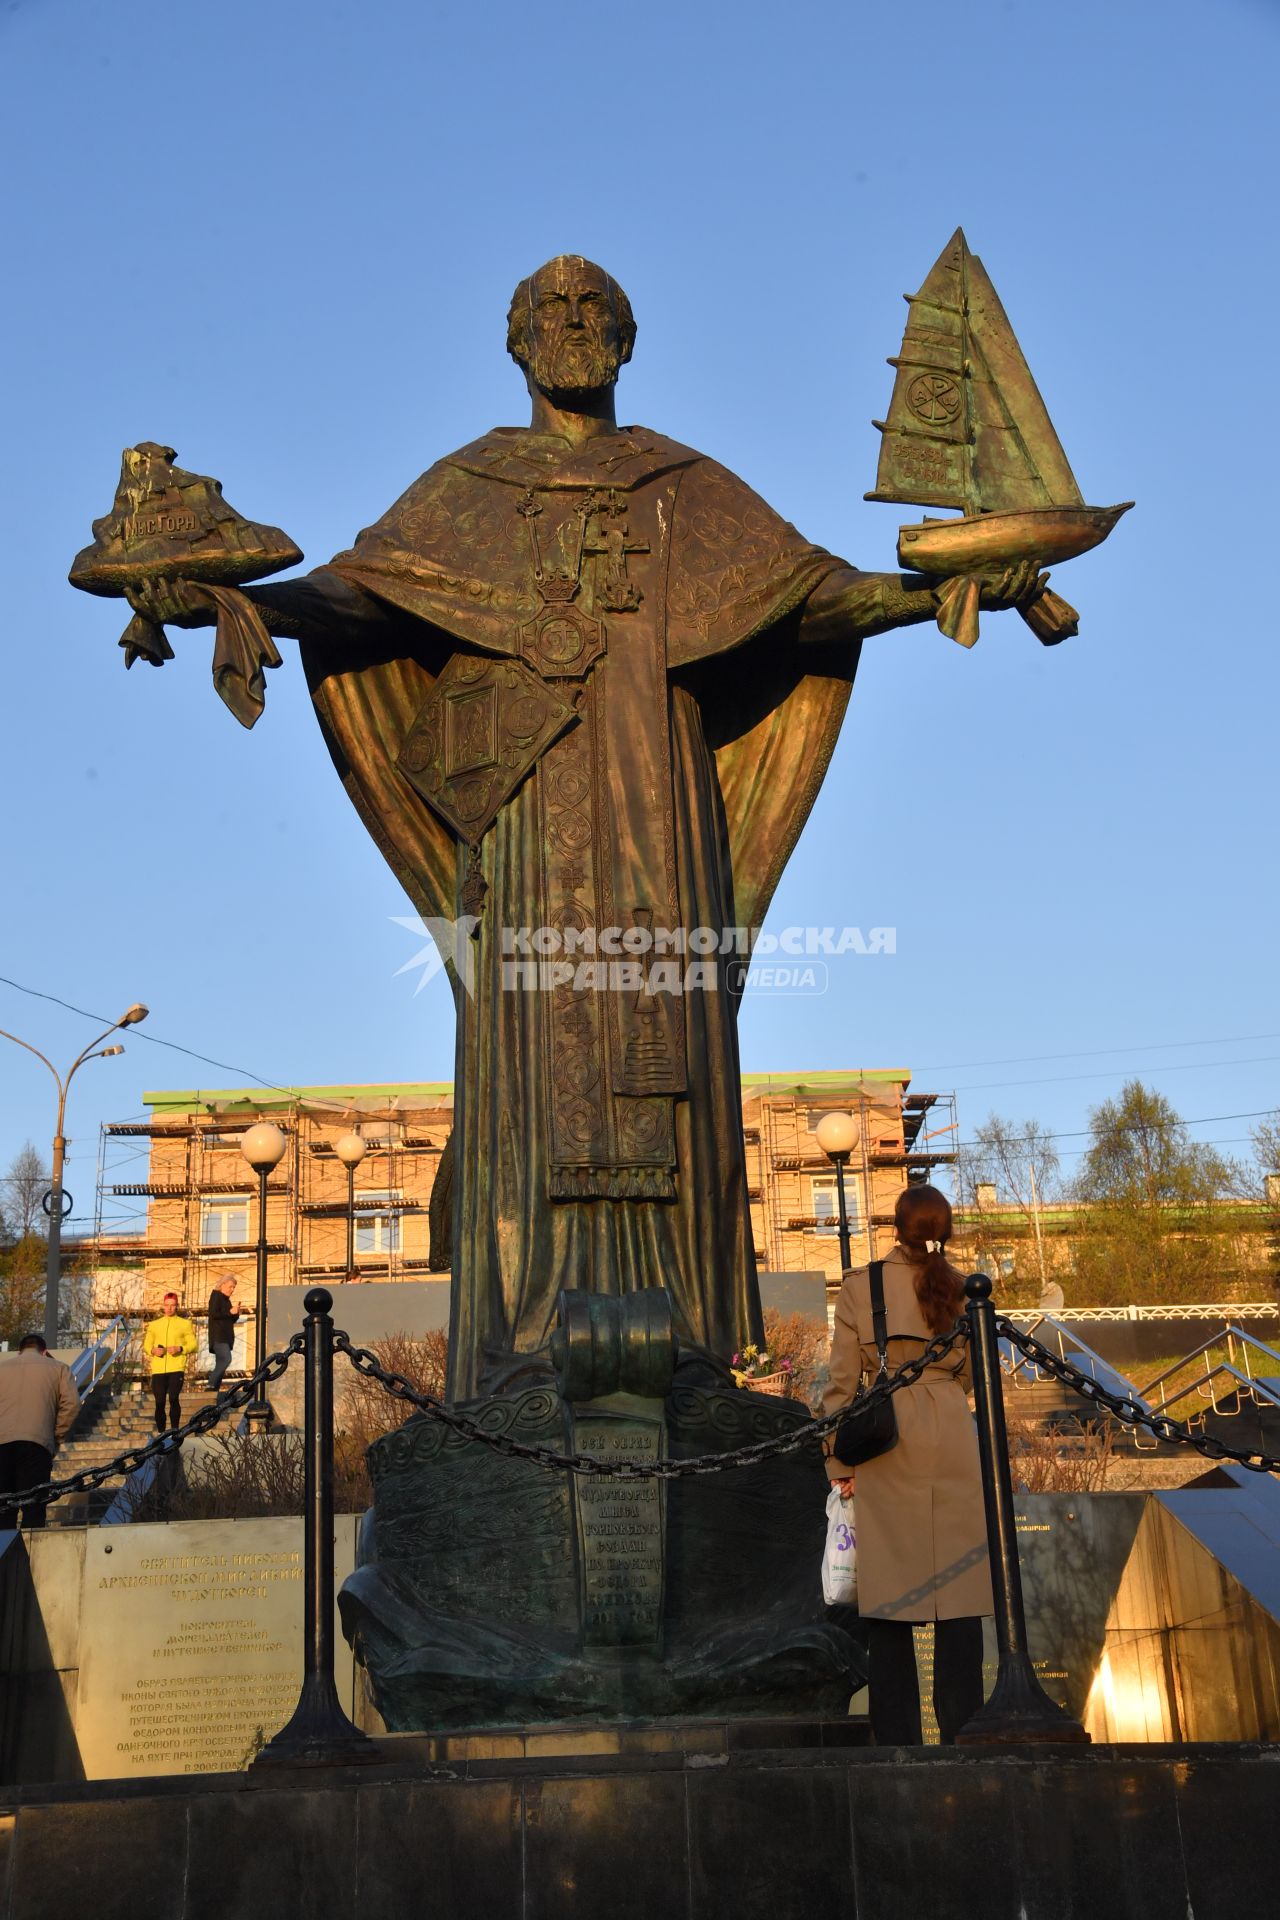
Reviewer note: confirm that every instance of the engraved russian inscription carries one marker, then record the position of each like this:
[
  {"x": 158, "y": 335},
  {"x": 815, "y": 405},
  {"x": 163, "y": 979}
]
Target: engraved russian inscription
[
  {"x": 620, "y": 1534},
  {"x": 191, "y": 1644}
]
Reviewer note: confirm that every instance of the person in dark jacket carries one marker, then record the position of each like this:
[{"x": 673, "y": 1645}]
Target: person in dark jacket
[{"x": 222, "y": 1326}]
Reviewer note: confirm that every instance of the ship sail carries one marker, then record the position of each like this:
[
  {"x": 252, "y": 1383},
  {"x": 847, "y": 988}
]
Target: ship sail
[
  {"x": 967, "y": 427},
  {"x": 1017, "y": 459},
  {"x": 925, "y": 449}
]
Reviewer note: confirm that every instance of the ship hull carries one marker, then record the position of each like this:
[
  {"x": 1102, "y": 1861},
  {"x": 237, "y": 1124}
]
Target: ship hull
[{"x": 983, "y": 542}]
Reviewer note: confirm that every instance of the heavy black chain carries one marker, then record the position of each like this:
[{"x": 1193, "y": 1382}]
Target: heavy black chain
[
  {"x": 164, "y": 1443},
  {"x": 1130, "y": 1412},
  {"x": 368, "y": 1365}
]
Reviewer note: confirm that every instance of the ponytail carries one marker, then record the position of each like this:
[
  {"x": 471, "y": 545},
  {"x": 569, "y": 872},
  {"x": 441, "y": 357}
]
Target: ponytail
[{"x": 922, "y": 1219}]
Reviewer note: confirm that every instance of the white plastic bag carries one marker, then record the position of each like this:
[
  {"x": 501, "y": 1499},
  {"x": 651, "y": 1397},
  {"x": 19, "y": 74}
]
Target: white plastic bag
[{"x": 840, "y": 1561}]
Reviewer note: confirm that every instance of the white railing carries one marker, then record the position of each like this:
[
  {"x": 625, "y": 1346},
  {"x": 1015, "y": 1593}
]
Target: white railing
[
  {"x": 1200, "y": 1310},
  {"x": 89, "y": 1367}
]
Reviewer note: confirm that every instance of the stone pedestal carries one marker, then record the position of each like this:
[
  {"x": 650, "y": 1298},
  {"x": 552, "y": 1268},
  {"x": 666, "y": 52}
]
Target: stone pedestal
[{"x": 495, "y": 1592}]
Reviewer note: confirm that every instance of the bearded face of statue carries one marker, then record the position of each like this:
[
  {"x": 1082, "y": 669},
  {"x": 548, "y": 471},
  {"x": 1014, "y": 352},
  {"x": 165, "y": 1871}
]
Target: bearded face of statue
[{"x": 571, "y": 329}]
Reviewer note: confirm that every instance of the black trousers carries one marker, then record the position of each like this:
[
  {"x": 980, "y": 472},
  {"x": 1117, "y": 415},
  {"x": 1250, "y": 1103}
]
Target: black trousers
[
  {"x": 167, "y": 1387},
  {"x": 895, "y": 1689},
  {"x": 23, "y": 1463}
]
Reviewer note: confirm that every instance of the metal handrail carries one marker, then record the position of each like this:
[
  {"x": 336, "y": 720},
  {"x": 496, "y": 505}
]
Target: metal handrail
[
  {"x": 1230, "y": 1333},
  {"x": 91, "y": 1366},
  {"x": 1255, "y": 1389},
  {"x": 1087, "y": 1360}
]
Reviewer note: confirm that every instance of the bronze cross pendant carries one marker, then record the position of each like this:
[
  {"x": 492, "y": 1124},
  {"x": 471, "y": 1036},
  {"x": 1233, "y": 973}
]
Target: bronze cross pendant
[{"x": 619, "y": 593}]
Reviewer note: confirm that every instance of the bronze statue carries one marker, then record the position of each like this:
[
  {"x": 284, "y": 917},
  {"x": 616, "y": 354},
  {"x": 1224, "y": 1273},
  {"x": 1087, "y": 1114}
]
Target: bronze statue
[{"x": 582, "y": 684}]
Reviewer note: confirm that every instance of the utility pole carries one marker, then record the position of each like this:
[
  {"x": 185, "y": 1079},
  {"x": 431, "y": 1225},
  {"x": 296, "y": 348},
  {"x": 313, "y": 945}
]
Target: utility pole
[
  {"x": 56, "y": 1203},
  {"x": 1035, "y": 1221}
]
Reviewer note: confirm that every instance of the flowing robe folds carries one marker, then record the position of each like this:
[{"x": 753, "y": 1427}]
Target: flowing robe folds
[{"x": 600, "y": 705}]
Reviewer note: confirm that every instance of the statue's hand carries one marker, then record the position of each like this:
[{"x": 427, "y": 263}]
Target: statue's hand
[
  {"x": 1012, "y": 587},
  {"x": 173, "y": 603}
]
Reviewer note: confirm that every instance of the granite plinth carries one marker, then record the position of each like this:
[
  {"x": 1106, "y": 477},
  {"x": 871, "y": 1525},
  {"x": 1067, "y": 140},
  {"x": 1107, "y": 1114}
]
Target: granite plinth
[{"x": 774, "y": 1833}]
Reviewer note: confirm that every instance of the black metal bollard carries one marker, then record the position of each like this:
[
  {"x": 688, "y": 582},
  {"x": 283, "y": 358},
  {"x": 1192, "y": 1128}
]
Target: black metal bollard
[
  {"x": 1019, "y": 1709},
  {"x": 319, "y": 1734}
]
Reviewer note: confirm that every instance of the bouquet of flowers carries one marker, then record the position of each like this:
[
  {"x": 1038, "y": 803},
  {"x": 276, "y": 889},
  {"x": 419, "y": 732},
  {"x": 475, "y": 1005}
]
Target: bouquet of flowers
[{"x": 756, "y": 1367}]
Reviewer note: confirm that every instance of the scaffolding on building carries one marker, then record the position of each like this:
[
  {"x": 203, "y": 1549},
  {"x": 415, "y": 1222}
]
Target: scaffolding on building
[
  {"x": 913, "y": 1140},
  {"x": 307, "y": 1229}
]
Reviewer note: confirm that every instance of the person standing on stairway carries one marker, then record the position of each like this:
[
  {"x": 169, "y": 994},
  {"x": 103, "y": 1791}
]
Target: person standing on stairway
[
  {"x": 38, "y": 1406},
  {"x": 222, "y": 1327},
  {"x": 166, "y": 1344}
]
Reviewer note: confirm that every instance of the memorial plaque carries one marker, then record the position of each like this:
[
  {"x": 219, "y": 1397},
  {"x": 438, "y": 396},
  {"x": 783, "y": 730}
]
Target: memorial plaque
[
  {"x": 620, "y": 1526},
  {"x": 191, "y": 1643}
]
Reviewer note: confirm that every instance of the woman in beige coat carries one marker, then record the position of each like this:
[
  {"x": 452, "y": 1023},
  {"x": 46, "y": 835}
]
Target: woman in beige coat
[{"x": 919, "y": 1518}]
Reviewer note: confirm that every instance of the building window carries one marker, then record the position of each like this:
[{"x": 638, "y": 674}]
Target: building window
[
  {"x": 825, "y": 1202},
  {"x": 377, "y": 1231},
  {"x": 224, "y": 1222}
]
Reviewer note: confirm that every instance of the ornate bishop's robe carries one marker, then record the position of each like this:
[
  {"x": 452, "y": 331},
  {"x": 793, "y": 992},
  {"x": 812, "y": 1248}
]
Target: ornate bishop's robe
[{"x": 600, "y": 708}]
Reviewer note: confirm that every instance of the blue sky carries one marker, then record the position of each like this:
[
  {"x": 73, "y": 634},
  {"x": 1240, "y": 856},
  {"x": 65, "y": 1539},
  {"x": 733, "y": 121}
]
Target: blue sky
[{"x": 282, "y": 237}]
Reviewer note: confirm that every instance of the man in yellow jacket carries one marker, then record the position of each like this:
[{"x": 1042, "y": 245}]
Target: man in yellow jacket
[{"x": 166, "y": 1344}]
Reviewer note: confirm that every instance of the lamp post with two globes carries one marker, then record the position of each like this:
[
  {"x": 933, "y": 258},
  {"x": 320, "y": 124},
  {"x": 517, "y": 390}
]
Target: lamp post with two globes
[
  {"x": 837, "y": 1134},
  {"x": 57, "y": 1204},
  {"x": 350, "y": 1150},
  {"x": 263, "y": 1147}
]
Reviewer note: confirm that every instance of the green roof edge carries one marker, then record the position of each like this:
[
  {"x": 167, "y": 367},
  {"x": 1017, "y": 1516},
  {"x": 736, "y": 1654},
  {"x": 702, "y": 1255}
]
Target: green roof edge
[{"x": 186, "y": 1099}]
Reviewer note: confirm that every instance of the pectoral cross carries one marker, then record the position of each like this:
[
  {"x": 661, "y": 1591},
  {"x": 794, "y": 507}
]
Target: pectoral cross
[{"x": 618, "y": 594}]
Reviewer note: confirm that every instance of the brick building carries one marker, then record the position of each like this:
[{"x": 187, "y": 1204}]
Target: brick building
[{"x": 178, "y": 1203}]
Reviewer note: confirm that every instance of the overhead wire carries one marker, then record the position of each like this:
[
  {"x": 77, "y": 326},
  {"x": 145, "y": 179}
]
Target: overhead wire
[
  {"x": 1107, "y": 1073},
  {"x": 1207, "y": 1120},
  {"x": 1091, "y": 1053},
  {"x": 155, "y": 1039},
  {"x": 275, "y": 1086}
]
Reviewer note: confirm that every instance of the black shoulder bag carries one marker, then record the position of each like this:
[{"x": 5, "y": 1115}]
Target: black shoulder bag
[{"x": 867, "y": 1432}]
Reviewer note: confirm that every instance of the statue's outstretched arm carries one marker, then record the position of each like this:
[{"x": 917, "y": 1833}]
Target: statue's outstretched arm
[
  {"x": 849, "y": 605},
  {"x": 315, "y": 606},
  {"x": 318, "y": 607}
]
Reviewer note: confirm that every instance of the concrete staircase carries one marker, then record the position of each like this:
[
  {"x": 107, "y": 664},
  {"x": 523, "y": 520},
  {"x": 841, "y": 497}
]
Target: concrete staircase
[
  {"x": 1045, "y": 1403},
  {"x": 108, "y": 1426}
]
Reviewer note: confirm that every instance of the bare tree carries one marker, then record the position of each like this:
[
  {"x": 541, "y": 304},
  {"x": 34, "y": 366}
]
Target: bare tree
[
  {"x": 1266, "y": 1149},
  {"x": 22, "y": 1261},
  {"x": 1266, "y": 1146},
  {"x": 1019, "y": 1159},
  {"x": 23, "y": 1189}
]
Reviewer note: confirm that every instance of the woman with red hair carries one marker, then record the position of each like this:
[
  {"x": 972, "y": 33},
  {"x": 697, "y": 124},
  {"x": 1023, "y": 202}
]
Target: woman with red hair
[{"x": 922, "y": 1543}]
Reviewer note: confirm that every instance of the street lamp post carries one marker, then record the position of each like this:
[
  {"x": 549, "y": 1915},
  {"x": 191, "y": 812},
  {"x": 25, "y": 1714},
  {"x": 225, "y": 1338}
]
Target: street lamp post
[
  {"x": 56, "y": 1203},
  {"x": 263, "y": 1147},
  {"x": 350, "y": 1150},
  {"x": 837, "y": 1133}
]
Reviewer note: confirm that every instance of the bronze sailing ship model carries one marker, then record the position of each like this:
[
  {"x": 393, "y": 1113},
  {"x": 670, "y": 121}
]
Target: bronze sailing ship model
[{"x": 967, "y": 428}]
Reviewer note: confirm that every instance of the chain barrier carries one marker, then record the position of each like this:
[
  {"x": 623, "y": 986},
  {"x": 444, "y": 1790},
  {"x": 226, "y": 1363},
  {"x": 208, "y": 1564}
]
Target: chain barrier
[
  {"x": 368, "y": 1365},
  {"x": 240, "y": 1395},
  {"x": 1130, "y": 1412}
]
